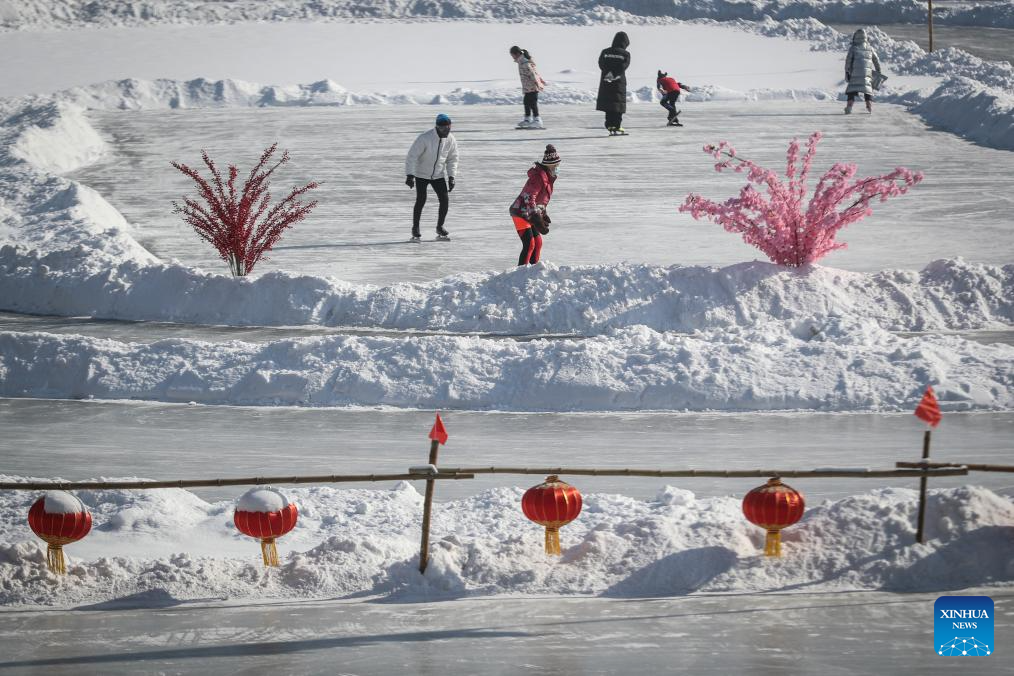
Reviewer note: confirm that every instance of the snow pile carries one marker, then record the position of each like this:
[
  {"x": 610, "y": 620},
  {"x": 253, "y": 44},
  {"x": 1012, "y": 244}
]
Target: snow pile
[
  {"x": 817, "y": 363},
  {"x": 946, "y": 295},
  {"x": 356, "y": 542},
  {"x": 42, "y": 14}
]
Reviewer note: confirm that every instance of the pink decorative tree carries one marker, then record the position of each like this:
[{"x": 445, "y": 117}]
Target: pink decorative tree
[
  {"x": 239, "y": 224},
  {"x": 777, "y": 223}
]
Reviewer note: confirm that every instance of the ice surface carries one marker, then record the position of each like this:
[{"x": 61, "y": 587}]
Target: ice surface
[
  {"x": 359, "y": 231},
  {"x": 262, "y": 500},
  {"x": 797, "y": 634},
  {"x": 86, "y": 439}
]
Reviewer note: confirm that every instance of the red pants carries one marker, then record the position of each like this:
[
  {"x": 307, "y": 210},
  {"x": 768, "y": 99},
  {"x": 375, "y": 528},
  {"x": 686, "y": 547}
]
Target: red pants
[{"x": 531, "y": 242}]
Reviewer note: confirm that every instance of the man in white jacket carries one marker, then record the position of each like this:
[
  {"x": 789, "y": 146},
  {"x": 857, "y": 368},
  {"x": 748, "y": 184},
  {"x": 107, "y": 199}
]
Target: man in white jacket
[{"x": 433, "y": 156}]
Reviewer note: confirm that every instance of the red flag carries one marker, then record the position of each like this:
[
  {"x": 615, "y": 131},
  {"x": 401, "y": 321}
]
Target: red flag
[
  {"x": 438, "y": 433},
  {"x": 928, "y": 409}
]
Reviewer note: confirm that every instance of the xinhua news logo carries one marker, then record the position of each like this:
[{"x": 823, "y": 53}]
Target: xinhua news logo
[{"x": 963, "y": 626}]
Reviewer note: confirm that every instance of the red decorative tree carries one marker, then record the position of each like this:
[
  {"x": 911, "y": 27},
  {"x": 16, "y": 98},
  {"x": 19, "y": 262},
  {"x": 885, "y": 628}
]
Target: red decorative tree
[
  {"x": 238, "y": 223},
  {"x": 778, "y": 223}
]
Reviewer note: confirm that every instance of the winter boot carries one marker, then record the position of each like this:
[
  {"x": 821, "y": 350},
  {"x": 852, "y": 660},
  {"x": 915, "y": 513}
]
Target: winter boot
[
  {"x": 525, "y": 123},
  {"x": 536, "y": 123},
  {"x": 869, "y": 107},
  {"x": 442, "y": 233}
]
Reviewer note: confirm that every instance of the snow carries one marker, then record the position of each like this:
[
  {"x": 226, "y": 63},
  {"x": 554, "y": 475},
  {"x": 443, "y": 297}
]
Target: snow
[
  {"x": 852, "y": 365},
  {"x": 262, "y": 500},
  {"x": 747, "y": 336},
  {"x": 50, "y": 14},
  {"x": 365, "y": 542},
  {"x": 62, "y": 502}
]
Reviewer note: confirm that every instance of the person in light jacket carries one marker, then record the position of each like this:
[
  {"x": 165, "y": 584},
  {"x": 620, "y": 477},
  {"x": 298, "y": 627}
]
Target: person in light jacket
[
  {"x": 612, "y": 98},
  {"x": 432, "y": 161},
  {"x": 531, "y": 84},
  {"x": 861, "y": 67},
  {"x": 529, "y": 208}
]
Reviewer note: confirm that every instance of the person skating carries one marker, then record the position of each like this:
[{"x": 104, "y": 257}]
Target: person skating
[
  {"x": 669, "y": 90},
  {"x": 529, "y": 209},
  {"x": 862, "y": 71},
  {"x": 432, "y": 157},
  {"x": 531, "y": 84},
  {"x": 612, "y": 97}
]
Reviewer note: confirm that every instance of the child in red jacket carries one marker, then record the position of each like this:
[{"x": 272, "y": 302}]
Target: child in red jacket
[
  {"x": 529, "y": 209},
  {"x": 670, "y": 90}
]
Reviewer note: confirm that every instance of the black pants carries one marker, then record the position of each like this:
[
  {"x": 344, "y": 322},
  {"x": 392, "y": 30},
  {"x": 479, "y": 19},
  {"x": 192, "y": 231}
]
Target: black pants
[
  {"x": 614, "y": 120},
  {"x": 440, "y": 188},
  {"x": 669, "y": 102},
  {"x": 532, "y": 104},
  {"x": 852, "y": 97}
]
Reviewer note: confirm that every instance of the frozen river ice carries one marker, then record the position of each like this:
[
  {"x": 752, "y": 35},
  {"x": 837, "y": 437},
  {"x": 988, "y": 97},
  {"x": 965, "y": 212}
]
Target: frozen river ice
[
  {"x": 769, "y": 634},
  {"x": 616, "y": 198},
  {"x": 86, "y": 439}
]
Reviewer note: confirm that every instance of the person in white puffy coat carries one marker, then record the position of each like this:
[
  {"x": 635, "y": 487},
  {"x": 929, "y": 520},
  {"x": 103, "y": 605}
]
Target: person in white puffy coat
[
  {"x": 861, "y": 68},
  {"x": 432, "y": 161}
]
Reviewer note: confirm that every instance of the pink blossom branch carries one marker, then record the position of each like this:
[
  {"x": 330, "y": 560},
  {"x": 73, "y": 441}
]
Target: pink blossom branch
[{"x": 778, "y": 225}]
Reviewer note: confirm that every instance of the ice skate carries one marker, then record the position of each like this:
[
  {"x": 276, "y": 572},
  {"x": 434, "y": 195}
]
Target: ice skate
[
  {"x": 525, "y": 124},
  {"x": 442, "y": 234},
  {"x": 415, "y": 239},
  {"x": 536, "y": 124}
]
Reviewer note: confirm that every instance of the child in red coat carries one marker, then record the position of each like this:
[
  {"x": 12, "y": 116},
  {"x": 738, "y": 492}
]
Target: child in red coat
[
  {"x": 529, "y": 209},
  {"x": 670, "y": 90}
]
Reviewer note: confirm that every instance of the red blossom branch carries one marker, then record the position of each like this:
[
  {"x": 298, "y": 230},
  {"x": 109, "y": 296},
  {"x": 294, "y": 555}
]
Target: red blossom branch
[{"x": 231, "y": 221}]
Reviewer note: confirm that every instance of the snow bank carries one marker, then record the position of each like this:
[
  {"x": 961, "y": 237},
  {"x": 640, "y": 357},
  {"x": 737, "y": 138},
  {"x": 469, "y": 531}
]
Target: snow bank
[
  {"x": 365, "y": 542},
  {"x": 48, "y": 14},
  {"x": 946, "y": 295},
  {"x": 817, "y": 363}
]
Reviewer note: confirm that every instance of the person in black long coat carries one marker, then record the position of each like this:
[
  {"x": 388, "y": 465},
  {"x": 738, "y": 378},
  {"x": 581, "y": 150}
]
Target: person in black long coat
[{"x": 612, "y": 99}]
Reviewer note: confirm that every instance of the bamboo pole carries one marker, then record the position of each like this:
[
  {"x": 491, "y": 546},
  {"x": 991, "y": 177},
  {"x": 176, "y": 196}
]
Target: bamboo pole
[
  {"x": 920, "y": 535},
  {"x": 930, "y": 16},
  {"x": 970, "y": 466},
  {"x": 424, "y": 546},
  {"x": 205, "y": 483},
  {"x": 722, "y": 474}
]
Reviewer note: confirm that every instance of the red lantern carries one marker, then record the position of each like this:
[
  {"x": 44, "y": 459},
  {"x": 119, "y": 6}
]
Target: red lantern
[
  {"x": 266, "y": 514},
  {"x": 773, "y": 506},
  {"x": 59, "y": 518},
  {"x": 552, "y": 504}
]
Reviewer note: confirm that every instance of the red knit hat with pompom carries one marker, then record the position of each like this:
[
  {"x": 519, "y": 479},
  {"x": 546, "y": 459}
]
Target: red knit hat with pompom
[{"x": 551, "y": 157}]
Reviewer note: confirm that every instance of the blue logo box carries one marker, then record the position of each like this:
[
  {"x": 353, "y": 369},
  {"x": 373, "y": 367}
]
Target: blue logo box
[{"x": 963, "y": 626}]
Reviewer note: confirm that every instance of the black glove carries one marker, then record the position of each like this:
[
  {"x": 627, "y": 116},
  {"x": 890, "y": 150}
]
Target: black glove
[
  {"x": 410, "y": 181},
  {"x": 538, "y": 223},
  {"x": 450, "y": 183},
  {"x": 545, "y": 218}
]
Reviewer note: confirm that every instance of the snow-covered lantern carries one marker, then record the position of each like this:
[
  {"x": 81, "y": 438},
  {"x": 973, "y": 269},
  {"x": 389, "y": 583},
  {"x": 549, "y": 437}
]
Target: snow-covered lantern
[
  {"x": 552, "y": 504},
  {"x": 266, "y": 514},
  {"x": 59, "y": 518},
  {"x": 773, "y": 506}
]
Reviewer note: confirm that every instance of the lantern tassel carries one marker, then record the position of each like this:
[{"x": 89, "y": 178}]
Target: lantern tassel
[
  {"x": 54, "y": 559},
  {"x": 773, "y": 543},
  {"x": 553, "y": 541},
  {"x": 270, "y": 552}
]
